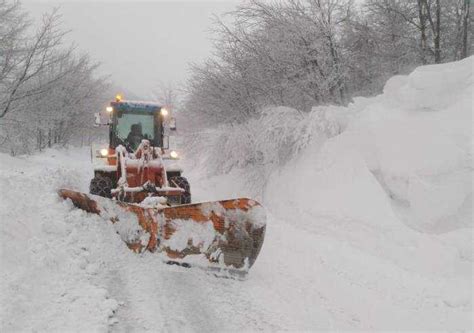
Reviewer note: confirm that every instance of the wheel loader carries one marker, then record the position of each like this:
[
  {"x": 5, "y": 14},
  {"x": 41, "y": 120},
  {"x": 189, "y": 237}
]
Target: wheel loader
[{"x": 138, "y": 186}]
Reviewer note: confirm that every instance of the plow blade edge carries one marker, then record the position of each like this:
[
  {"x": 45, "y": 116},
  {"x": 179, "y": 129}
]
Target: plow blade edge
[{"x": 225, "y": 234}]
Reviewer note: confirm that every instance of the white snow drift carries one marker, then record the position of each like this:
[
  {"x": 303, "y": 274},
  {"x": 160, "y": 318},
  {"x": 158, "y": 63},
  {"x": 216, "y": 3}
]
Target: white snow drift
[{"x": 389, "y": 178}]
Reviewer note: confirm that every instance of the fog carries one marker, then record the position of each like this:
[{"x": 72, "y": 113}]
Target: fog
[{"x": 139, "y": 44}]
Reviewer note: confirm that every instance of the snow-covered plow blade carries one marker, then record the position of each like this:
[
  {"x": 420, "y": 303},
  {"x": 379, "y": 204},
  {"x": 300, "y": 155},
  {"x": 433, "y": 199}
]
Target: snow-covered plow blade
[{"x": 224, "y": 234}]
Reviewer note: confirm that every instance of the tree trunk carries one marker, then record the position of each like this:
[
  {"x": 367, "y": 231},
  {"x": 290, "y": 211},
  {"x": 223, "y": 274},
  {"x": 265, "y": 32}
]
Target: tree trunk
[
  {"x": 437, "y": 34},
  {"x": 49, "y": 138},
  {"x": 465, "y": 27},
  {"x": 340, "y": 86},
  {"x": 422, "y": 18},
  {"x": 39, "y": 139}
]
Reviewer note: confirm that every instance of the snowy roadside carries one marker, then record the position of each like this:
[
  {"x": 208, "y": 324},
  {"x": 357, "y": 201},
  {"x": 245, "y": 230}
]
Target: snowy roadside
[{"x": 47, "y": 272}]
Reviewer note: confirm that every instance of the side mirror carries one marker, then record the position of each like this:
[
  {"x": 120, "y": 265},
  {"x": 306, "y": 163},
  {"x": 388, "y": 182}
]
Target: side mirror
[
  {"x": 173, "y": 124},
  {"x": 166, "y": 142},
  {"x": 97, "y": 122}
]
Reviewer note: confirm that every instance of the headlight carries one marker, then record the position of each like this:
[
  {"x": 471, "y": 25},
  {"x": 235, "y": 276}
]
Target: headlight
[
  {"x": 109, "y": 109},
  {"x": 104, "y": 152},
  {"x": 164, "y": 112},
  {"x": 173, "y": 154}
]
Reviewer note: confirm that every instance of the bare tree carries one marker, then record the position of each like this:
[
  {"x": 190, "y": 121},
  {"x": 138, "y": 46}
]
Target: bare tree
[
  {"x": 465, "y": 28},
  {"x": 426, "y": 10},
  {"x": 36, "y": 56},
  {"x": 301, "y": 53},
  {"x": 167, "y": 94},
  {"x": 442, "y": 25},
  {"x": 47, "y": 92},
  {"x": 278, "y": 53}
]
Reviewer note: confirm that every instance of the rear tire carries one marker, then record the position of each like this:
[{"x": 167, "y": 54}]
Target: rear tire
[
  {"x": 101, "y": 186},
  {"x": 184, "y": 184}
]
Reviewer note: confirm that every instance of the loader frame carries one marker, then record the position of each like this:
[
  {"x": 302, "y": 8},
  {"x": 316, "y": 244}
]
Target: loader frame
[{"x": 111, "y": 179}]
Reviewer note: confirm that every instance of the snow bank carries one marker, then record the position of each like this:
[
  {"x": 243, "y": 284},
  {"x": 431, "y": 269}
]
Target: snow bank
[
  {"x": 416, "y": 140},
  {"x": 47, "y": 270},
  {"x": 383, "y": 190},
  {"x": 410, "y": 147}
]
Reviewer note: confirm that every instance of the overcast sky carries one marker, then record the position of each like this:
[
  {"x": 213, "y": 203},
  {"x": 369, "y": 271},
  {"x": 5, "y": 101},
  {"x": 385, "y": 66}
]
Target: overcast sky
[{"x": 139, "y": 43}]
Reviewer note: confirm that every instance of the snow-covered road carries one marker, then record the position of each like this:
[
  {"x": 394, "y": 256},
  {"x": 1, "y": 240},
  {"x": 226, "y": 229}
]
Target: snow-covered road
[{"x": 65, "y": 270}]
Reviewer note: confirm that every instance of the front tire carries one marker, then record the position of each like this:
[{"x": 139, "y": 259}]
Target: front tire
[
  {"x": 101, "y": 186},
  {"x": 183, "y": 183}
]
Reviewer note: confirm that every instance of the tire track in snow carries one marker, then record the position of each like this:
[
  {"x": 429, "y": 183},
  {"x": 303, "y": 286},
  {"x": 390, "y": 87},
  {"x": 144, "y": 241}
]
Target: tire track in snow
[{"x": 175, "y": 299}]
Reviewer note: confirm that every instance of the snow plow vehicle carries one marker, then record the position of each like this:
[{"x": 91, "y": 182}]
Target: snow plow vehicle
[{"x": 138, "y": 186}]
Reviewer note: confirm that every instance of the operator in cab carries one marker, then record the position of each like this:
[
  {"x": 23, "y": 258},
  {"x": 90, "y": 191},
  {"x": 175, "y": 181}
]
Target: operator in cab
[{"x": 135, "y": 136}]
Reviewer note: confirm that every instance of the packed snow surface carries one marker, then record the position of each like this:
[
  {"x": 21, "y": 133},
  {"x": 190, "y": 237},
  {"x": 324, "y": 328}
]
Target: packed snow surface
[{"x": 369, "y": 229}]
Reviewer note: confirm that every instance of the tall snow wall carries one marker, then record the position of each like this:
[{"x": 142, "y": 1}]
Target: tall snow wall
[{"x": 405, "y": 154}]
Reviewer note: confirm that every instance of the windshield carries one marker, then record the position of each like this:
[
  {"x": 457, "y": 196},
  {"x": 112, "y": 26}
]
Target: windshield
[{"x": 132, "y": 128}]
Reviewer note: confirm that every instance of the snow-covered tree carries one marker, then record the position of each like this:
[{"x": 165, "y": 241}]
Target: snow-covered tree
[
  {"x": 279, "y": 53},
  {"x": 48, "y": 92},
  {"x": 301, "y": 53}
]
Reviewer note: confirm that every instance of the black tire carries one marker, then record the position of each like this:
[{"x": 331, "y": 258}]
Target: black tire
[
  {"x": 101, "y": 186},
  {"x": 182, "y": 182}
]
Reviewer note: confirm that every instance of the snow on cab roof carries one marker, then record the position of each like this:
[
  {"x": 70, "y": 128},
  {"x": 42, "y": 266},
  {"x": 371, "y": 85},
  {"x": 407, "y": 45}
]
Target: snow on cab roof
[{"x": 140, "y": 104}]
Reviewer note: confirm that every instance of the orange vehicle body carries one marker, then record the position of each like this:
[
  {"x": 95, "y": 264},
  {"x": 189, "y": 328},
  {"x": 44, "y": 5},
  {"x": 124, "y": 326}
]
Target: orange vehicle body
[{"x": 132, "y": 167}]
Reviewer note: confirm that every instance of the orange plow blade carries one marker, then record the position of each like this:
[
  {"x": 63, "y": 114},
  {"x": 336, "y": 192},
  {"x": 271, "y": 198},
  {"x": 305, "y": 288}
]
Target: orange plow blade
[{"x": 225, "y": 234}]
